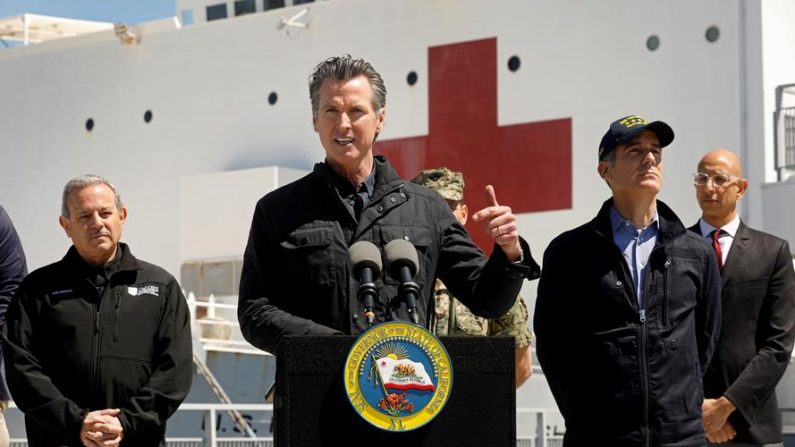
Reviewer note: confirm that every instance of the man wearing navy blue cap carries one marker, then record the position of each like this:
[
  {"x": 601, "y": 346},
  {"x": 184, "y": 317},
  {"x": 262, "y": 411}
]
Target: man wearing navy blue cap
[{"x": 628, "y": 307}]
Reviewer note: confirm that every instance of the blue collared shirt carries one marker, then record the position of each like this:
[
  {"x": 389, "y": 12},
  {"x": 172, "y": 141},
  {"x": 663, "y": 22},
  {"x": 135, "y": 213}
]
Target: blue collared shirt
[{"x": 636, "y": 246}]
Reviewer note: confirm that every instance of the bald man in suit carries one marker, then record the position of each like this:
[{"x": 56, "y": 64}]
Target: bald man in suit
[{"x": 758, "y": 312}]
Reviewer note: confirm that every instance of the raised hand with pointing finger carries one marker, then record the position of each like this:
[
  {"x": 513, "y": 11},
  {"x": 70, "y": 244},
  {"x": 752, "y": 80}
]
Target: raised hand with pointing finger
[
  {"x": 500, "y": 225},
  {"x": 352, "y": 196}
]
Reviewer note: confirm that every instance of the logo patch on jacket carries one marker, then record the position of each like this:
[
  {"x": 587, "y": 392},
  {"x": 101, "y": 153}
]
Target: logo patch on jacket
[
  {"x": 61, "y": 292},
  {"x": 144, "y": 290}
]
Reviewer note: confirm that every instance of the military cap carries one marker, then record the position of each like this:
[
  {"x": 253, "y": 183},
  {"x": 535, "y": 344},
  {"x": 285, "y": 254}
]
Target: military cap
[{"x": 449, "y": 184}]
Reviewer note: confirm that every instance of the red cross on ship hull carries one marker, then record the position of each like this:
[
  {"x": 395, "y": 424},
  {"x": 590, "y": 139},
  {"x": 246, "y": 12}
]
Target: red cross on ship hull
[{"x": 529, "y": 164}]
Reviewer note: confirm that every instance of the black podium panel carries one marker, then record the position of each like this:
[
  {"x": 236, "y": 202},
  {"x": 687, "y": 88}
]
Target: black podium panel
[{"x": 312, "y": 409}]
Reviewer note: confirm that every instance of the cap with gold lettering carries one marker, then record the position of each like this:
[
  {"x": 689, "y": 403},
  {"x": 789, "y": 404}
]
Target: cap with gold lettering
[{"x": 623, "y": 130}]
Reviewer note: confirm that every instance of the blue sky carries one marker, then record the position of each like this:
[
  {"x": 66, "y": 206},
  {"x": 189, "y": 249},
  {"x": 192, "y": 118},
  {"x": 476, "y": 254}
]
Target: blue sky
[{"x": 127, "y": 11}]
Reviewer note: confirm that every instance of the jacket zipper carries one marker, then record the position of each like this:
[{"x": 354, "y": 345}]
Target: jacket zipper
[
  {"x": 116, "y": 323},
  {"x": 665, "y": 292},
  {"x": 644, "y": 367},
  {"x": 643, "y": 347},
  {"x": 645, "y": 430},
  {"x": 95, "y": 336},
  {"x": 645, "y": 378},
  {"x": 644, "y": 361}
]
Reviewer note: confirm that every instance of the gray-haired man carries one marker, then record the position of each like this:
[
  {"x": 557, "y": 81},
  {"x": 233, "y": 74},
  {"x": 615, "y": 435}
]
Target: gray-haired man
[
  {"x": 97, "y": 345},
  {"x": 295, "y": 278}
]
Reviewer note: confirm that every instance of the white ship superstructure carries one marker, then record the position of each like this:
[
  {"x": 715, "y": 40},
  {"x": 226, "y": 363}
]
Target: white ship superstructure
[{"x": 195, "y": 117}]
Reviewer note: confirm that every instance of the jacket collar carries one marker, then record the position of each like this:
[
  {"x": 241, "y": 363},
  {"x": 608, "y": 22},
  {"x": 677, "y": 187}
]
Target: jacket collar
[
  {"x": 124, "y": 261},
  {"x": 387, "y": 194},
  {"x": 386, "y": 178},
  {"x": 385, "y": 174},
  {"x": 670, "y": 225},
  {"x": 742, "y": 239}
]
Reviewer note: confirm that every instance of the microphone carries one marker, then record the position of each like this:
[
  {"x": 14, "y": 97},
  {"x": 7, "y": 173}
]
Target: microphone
[
  {"x": 402, "y": 264},
  {"x": 365, "y": 260}
]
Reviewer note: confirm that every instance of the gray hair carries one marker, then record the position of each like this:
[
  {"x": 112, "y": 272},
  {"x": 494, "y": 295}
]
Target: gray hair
[
  {"x": 343, "y": 68},
  {"x": 610, "y": 158},
  {"x": 82, "y": 181}
]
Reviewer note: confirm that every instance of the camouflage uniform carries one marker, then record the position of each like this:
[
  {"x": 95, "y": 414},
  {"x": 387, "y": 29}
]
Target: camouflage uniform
[
  {"x": 450, "y": 185},
  {"x": 464, "y": 322}
]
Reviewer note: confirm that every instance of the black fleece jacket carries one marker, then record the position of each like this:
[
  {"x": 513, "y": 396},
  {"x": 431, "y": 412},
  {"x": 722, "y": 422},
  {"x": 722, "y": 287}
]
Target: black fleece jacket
[{"x": 79, "y": 339}]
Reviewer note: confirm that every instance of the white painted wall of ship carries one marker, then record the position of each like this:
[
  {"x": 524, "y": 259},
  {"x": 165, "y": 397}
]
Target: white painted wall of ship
[{"x": 207, "y": 86}]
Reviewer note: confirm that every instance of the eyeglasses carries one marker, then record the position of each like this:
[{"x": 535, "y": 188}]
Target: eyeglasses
[{"x": 718, "y": 180}]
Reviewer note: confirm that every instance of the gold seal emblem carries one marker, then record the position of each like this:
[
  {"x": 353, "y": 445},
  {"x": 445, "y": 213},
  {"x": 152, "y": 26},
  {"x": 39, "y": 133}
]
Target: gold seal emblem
[{"x": 398, "y": 376}]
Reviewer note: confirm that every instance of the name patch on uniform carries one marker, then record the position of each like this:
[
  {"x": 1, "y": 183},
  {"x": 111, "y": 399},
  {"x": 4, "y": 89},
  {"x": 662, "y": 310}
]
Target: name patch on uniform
[
  {"x": 61, "y": 292},
  {"x": 145, "y": 290},
  {"x": 398, "y": 376}
]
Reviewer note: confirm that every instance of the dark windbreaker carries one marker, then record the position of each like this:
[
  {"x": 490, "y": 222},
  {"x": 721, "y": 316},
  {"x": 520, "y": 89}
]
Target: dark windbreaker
[
  {"x": 80, "y": 339},
  {"x": 296, "y": 279},
  {"x": 619, "y": 379}
]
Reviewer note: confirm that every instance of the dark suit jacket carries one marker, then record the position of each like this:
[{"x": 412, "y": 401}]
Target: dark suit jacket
[{"x": 757, "y": 333}]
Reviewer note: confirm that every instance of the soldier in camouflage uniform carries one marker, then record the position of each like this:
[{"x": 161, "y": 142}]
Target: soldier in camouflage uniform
[{"x": 451, "y": 313}]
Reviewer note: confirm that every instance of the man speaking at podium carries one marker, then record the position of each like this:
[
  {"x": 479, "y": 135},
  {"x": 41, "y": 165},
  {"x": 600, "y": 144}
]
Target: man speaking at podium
[{"x": 296, "y": 279}]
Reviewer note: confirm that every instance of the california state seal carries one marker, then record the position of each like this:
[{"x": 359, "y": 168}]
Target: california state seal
[{"x": 398, "y": 376}]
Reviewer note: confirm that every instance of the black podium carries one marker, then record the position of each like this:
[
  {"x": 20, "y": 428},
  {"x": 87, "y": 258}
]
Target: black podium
[{"x": 312, "y": 409}]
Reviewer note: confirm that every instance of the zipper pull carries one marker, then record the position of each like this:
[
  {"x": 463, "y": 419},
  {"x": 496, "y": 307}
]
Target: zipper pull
[
  {"x": 643, "y": 315},
  {"x": 667, "y": 263},
  {"x": 96, "y": 322}
]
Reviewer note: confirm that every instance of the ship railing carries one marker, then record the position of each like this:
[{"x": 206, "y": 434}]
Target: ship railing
[
  {"x": 545, "y": 421},
  {"x": 784, "y": 131},
  {"x": 787, "y": 158},
  {"x": 547, "y": 433},
  {"x": 215, "y": 325},
  {"x": 211, "y": 437}
]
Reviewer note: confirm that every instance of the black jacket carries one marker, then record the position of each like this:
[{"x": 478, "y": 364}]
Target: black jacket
[
  {"x": 619, "y": 380},
  {"x": 75, "y": 343},
  {"x": 12, "y": 269},
  {"x": 296, "y": 278},
  {"x": 757, "y": 333}
]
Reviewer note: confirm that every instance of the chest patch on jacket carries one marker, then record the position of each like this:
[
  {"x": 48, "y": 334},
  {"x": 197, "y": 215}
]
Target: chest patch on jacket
[
  {"x": 144, "y": 290},
  {"x": 62, "y": 292}
]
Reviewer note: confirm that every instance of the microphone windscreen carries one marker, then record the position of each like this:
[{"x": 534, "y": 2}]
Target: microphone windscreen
[
  {"x": 364, "y": 254},
  {"x": 399, "y": 253}
]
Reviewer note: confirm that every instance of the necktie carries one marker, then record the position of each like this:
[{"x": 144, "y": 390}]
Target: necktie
[
  {"x": 716, "y": 246},
  {"x": 358, "y": 205}
]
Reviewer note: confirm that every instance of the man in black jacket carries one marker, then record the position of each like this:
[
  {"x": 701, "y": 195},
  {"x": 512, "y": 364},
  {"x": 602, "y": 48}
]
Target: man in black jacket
[
  {"x": 628, "y": 307},
  {"x": 296, "y": 279},
  {"x": 758, "y": 311},
  {"x": 97, "y": 345},
  {"x": 12, "y": 269}
]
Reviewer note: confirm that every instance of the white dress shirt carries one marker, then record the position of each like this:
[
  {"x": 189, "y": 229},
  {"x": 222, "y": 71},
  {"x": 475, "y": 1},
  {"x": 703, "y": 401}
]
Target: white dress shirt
[{"x": 725, "y": 239}]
